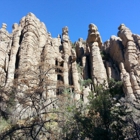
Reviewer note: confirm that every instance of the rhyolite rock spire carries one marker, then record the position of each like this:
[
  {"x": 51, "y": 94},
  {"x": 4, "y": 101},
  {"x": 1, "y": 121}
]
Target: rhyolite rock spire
[
  {"x": 130, "y": 54},
  {"x": 94, "y": 42},
  {"x": 5, "y": 44},
  {"x": 14, "y": 51}
]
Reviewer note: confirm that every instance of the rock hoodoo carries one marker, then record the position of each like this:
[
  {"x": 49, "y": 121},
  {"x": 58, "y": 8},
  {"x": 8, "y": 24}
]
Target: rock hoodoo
[{"x": 97, "y": 68}]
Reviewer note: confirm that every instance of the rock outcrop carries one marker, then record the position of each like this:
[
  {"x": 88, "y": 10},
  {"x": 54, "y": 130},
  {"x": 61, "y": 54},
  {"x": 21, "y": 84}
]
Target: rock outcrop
[{"x": 31, "y": 58}]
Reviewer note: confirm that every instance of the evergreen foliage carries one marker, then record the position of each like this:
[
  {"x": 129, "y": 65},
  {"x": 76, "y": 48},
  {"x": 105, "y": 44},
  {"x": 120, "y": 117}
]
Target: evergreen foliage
[{"x": 101, "y": 119}]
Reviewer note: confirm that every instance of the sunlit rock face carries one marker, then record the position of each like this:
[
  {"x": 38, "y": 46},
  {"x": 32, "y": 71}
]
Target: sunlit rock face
[
  {"x": 97, "y": 68},
  {"x": 123, "y": 54},
  {"x": 31, "y": 59},
  {"x": 5, "y": 44}
]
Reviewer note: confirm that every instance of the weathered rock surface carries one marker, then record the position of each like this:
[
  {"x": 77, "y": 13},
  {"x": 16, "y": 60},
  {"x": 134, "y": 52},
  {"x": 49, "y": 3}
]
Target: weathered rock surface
[
  {"x": 98, "y": 71},
  {"x": 5, "y": 44},
  {"x": 31, "y": 58},
  {"x": 130, "y": 54}
]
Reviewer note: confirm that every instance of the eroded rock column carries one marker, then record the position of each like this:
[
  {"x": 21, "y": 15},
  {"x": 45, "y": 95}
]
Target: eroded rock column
[
  {"x": 14, "y": 52},
  {"x": 127, "y": 86},
  {"x": 67, "y": 53},
  {"x": 135, "y": 85},
  {"x": 50, "y": 66},
  {"x": 98, "y": 71},
  {"x": 29, "y": 57},
  {"x": 82, "y": 57},
  {"x": 131, "y": 58},
  {"x": 75, "y": 76},
  {"x": 5, "y": 44}
]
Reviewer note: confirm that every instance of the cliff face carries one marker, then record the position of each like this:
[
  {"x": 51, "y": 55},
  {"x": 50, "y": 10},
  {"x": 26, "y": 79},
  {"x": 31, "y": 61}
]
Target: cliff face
[{"x": 30, "y": 57}]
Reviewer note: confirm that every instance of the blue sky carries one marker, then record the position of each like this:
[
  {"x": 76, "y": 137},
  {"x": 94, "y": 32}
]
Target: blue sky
[{"x": 76, "y": 14}]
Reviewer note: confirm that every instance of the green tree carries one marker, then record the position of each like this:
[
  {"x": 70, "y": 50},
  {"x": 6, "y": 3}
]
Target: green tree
[{"x": 103, "y": 113}]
